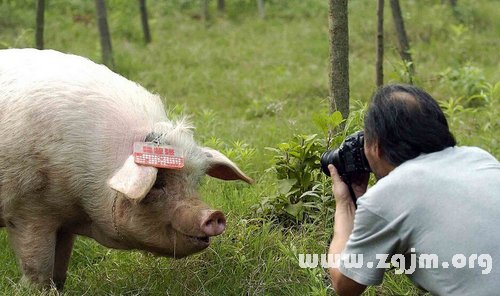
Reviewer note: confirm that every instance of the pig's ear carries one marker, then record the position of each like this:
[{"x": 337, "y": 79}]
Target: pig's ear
[
  {"x": 133, "y": 180},
  {"x": 220, "y": 167}
]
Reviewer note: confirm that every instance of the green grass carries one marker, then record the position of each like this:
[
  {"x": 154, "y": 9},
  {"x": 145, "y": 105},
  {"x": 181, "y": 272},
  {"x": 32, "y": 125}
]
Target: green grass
[{"x": 257, "y": 82}]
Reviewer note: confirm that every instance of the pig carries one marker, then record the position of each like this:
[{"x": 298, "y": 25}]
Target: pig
[{"x": 67, "y": 166}]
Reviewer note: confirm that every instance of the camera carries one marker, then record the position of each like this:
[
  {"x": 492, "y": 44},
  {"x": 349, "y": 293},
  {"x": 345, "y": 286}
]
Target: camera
[{"x": 349, "y": 159}]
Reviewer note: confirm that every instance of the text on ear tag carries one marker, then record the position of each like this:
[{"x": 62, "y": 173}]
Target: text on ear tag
[{"x": 160, "y": 156}]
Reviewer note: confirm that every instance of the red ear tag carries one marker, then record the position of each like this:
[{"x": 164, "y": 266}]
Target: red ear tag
[{"x": 159, "y": 156}]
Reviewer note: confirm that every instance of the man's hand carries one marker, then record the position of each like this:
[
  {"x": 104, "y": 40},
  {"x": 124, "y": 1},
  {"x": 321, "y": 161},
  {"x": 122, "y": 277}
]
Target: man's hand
[
  {"x": 344, "y": 222},
  {"x": 341, "y": 189}
]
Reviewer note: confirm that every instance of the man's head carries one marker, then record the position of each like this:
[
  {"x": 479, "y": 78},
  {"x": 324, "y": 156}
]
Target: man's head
[{"x": 401, "y": 123}]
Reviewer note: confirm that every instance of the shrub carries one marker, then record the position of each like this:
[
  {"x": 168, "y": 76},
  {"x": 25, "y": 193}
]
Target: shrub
[
  {"x": 301, "y": 189},
  {"x": 466, "y": 81},
  {"x": 303, "y": 192},
  {"x": 468, "y": 127}
]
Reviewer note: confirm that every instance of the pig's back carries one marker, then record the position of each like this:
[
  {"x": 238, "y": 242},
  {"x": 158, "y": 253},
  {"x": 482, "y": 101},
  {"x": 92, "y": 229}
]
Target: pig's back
[
  {"x": 37, "y": 75},
  {"x": 66, "y": 123}
]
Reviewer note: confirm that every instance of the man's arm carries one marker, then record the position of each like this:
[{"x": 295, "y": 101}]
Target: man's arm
[{"x": 344, "y": 221}]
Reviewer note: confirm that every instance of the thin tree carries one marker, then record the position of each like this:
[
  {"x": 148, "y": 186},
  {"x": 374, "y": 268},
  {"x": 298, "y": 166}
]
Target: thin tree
[
  {"x": 453, "y": 4},
  {"x": 102, "y": 24},
  {"x": 339, "y": 57},
  {"x": 144, "y": 21},
  {"x": 260, "y": 7},
  {"x": 221, "y": 5},
  {"x": 456, "y": 12},
  {"x": 40, "y": 11},
  {"x": 379, "y": 64},
  {"x": 404, "y": 45},
  {"x": 204, "y": 10}
]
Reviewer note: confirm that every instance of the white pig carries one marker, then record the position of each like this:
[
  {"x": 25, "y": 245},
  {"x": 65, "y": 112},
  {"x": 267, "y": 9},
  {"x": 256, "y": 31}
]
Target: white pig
[{"x": 67, "y": 131}]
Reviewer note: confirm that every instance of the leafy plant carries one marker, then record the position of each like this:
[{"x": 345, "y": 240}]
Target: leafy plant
[
  {"x": 401, "y": 72},
  {"x": 329, "y": 123},
  {"x": 453, "y": 106},
  {"x": 462, "y": 116},
  {"x": 302, "y": 191},
  {"x": 488, "y": 93},
  {"x": 405, "y": 72},
  {"x": 466, "y": 81}
]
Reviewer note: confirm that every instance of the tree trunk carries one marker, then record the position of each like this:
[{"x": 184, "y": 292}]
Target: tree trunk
[
  {"x": 204, "y": 10},
  {"x": 144, "y": 20},
  {"x": 40, "y": 11},
  {"x": 379, "y": 64},
  {"x": 102, "y": 23},
  {"x": 260, "y": 7},
  {"x": 404, "y": 45},
  {"x": 221, "y": 5},
  {"x": 339, "y": 57},
  {"x": 456, "y": 12}
]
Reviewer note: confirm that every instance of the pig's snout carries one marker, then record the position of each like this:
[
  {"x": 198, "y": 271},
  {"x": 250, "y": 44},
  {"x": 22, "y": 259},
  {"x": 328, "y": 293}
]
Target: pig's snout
[
  {"x": 213, "y": 222},
  {"x": 194, "y": 219}
]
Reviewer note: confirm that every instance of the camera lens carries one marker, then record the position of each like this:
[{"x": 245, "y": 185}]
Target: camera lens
[{"x": 330, "y": 157}]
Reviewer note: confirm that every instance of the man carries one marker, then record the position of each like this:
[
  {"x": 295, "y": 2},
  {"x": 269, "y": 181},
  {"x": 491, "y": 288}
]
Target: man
[{"x": 433, "y": 200}]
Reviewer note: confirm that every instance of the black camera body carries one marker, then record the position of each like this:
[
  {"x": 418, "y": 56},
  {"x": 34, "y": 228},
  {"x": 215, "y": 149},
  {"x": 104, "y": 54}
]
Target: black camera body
[{"x": 349, "y": 159}]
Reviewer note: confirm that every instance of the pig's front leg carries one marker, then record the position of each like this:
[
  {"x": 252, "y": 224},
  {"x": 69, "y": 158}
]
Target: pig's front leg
[
  {"x": 64, "y": 246},
  {"x": 34, "y": 243}
]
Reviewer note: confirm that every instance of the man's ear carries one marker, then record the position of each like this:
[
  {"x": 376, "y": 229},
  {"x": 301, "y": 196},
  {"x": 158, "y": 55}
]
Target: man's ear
[
  {"x": 133, "y": 180},
  {"x": 220, "y": 167},
  {"x": 376, "y": 148}
]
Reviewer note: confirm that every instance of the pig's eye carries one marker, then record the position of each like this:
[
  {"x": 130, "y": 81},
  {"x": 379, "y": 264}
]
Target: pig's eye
[
  {"x": 160, "y": 179},
  {"x": 159, "y": 183},
  {"x": 153, "y": 196}
]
